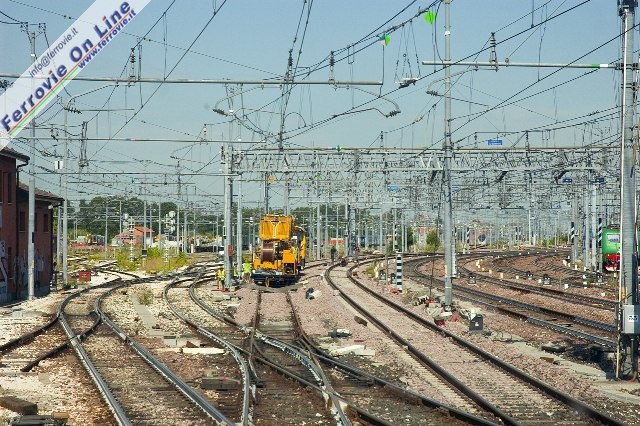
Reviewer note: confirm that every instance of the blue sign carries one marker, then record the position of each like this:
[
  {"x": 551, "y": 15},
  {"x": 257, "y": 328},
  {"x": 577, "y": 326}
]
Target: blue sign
[
  {"x": 567, "y": 180},
  {"x": 494, "y": 142},
  {"x": 393, "y": 188},
  {"x": 599, "y": 179},
  {"x": 455, "y": 188}
]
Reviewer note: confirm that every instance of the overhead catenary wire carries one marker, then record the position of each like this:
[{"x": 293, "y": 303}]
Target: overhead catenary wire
[{"x": 256, "y": 126}]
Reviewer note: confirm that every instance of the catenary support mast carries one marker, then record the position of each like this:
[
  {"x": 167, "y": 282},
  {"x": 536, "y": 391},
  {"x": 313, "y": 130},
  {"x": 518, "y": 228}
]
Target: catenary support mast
[
  {"x": 628, "y": 343},
  {"x": 448, "y": 214}
]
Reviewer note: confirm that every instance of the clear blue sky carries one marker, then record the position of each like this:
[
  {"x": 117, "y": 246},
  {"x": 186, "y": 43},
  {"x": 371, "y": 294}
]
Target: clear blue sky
[{"x": 251, "y": 40}]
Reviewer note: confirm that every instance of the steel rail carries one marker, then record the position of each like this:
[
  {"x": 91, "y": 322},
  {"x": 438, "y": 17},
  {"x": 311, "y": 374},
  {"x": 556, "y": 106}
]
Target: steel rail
[
  {"x": 540, "y": 322},
  {"x": 544, "y": 387},
  {"x": 442, "y": 372},
  {"x": 282, "y": 346},
  {"x": 609, "y": 328},
  {"x": 454, "y": 412},
  {"x": 162, "y": 369},
  {"x": 244, "y": 370},
  {"x": 25, "y": 338},
  {"x": 103, "y": 388},
  {"x": 565, "y": 270},
  {"x": 549, "y": 292},
  {"x": 338, "y": 410},
  {"x": 356, "y": 372},
  {"x": 306, "y": 361}
]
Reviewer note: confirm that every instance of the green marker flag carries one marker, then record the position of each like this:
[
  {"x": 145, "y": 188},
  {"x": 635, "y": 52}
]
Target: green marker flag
[
  {"x": 384, "y": 39},
  {"x": 430, "y": 17}
]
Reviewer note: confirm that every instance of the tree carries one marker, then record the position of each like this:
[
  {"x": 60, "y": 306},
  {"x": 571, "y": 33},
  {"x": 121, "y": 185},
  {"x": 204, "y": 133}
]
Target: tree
[{"x": 433, "y": 240}]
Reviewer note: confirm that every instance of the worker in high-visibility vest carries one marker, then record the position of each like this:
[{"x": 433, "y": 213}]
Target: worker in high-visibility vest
[
  {"x": 246, "y": 272},
  {"x": 220, "y": 273}
]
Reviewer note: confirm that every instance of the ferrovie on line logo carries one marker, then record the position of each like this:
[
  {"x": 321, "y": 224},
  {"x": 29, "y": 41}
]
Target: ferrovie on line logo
[{"x": 56, "y": 67}]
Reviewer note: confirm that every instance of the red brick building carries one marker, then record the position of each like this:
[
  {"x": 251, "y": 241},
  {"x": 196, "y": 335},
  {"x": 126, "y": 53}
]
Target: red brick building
[
  {"x": 14, "y": 216},
  {"x": 122, "y": 239}
]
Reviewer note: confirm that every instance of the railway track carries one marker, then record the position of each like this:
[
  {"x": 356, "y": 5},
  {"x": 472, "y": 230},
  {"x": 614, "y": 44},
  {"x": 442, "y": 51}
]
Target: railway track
[
  {"x": 544, "y": 262},
  {"x": 48, "y": 339},
  {"x": 136, "y": 387},
  {"x": 280, "y": 343},
  {"x": 587, "y": 329},
  {"x": 26, "y": 351},
  {"x": 369, "y": 398},
  {"x": 376, "y": 400},
  {"x": 231, "y": 378},
  {"x": 510, "y": 394},
  {"x": 275, "y": 364},
  {"x": 574, "y": 294}
]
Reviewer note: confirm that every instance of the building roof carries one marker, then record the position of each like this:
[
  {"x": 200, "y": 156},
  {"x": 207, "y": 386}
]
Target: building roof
[
  {"x": 8, "y": 152},
  {"x": 140, "y": 229},
  {"x": 40, "y": 194}
]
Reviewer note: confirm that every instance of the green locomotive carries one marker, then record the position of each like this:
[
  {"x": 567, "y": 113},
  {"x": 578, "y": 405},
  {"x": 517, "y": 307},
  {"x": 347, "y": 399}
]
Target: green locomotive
[{"x": 611, "y": 248}]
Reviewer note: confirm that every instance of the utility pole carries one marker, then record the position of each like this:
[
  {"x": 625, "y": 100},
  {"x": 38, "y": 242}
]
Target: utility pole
[
  {"x": 185, "y": 215},
  {"x": 630, "y": 326},
  {"x": 326, "y": 229},
  {"x": 287, "y": 195},
  {"x": 65, "y": 233},
  {"x": 448, "y": 148},
  {"x": 380, "y": 229},
  {"x": 178, "y": 211},
  {"x": 585, "y": 221},
  {"x": 628, "y": 6},
  {"x": 318, "y": 220},
  {"x": 145, "y": 234},
  {"x": 106, "y": 225},
  {"x": 594, "y": 229},
  {"x": 32, "y": 176},
  {"x": 574, "y": 221},
  {"x": 266, "y": 192},
  {"x": 353, "y": 237},
  {"x": 228, "y": 198},
  {"x": 239, "y": 228},
  {"x": 58, "y": 230},
  {"x": 194, "y": 227}
]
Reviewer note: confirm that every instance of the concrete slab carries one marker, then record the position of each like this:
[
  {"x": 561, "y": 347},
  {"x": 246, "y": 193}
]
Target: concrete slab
[
  {"x": 220, "y": 383},
  {"x": 181, "y": 341},
  {"x": 353, "y": 349},
  {"x": 19, "y": 313},
  {"x": 202, "y": 351},
  {"x": 145, "y": 315},
  {"x": 44, "y": 378},
  {"x": 18, "y": 405},
  {"x": 218, "y": 296},
  {"x": 170, "y": 341}
]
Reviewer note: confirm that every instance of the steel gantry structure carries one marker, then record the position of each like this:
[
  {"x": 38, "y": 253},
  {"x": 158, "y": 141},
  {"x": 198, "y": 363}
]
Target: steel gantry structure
[{"x": 495, "y": 178}]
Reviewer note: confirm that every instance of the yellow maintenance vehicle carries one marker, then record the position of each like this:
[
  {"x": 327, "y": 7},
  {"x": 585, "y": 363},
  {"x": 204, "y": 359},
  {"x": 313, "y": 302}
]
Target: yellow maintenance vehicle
[{"x": 279, "y": 257}]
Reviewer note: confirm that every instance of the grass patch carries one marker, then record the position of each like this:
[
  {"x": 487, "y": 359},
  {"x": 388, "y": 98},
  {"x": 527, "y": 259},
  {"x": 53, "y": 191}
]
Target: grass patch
[{"x": 145, "y": 296}]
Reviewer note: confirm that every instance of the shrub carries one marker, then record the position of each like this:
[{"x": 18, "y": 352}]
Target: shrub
[
  {"x": 122, "y": 260},
  {"x": 145, "y": 296},
  {"x": 181, "y": 260},
  {"x": 154, "y": 253}
]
